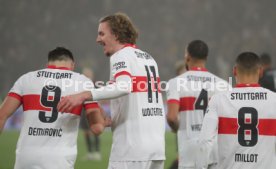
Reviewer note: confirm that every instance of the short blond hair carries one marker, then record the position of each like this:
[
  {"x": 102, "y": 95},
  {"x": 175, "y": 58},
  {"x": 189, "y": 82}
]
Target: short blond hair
[{"x": 122, "y": 27}]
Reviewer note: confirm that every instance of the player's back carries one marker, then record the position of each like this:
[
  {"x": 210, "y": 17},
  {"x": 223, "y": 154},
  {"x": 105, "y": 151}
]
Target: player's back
[
  {"x": 192, "y": 90},
  {"x": 138, "y": 118},
  {"x": 45, "y": 131},
  {"x": 247, "y": 128}
]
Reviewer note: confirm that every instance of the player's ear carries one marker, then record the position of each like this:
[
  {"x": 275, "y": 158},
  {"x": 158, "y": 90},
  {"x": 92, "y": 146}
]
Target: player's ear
[
  {"x": 261, "y": 72},
  {"x": 235, "y": 70},
  {"x": 187, "y": 58},
  {"x": 72, "y": 65}
]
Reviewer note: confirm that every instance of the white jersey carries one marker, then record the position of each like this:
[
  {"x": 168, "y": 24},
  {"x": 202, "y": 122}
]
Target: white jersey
[
  {"x": 138, "y": 119},
  {"x": 48, "y": 137},
  {"x": 192, "y": 91},
  {"x": 245, "y": 122}
]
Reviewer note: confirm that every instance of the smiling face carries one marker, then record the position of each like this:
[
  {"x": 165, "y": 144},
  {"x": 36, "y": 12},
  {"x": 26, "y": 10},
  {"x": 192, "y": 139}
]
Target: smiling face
[{"x": 107, "y": 39}]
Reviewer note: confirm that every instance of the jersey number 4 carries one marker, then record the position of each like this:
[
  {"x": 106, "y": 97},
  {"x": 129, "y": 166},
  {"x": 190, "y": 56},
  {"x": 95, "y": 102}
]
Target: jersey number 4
[
  {"x": 202, "y": 101},
  {"x": 50, "y": 103}
]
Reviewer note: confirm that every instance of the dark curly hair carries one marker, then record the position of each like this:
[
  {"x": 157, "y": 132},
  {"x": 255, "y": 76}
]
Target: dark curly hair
[{"x": 122, "y": 27}]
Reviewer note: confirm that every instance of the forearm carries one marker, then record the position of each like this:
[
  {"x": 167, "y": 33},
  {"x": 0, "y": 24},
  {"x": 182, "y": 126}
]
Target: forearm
[
  {"x": 174, "y": 125},
  {"x": 2, "y": 123},
  {"x": 172, "y": 116},
  {"x": 7, "y": 108},
  {"x": 96, "y": 120}
]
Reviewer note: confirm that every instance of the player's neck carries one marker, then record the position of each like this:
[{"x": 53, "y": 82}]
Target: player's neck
[
  {"x": 64, "y": 64},
  {"x": 247, "y": 79},
  {"x": 197, "y": 64},
  {"x": 118, "y": 47}
]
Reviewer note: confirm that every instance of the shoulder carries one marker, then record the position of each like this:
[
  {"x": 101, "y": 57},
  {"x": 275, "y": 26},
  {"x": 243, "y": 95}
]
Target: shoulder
[
  {"x": 269, "y": 92},
  {"x": 79, "y": 77},
  {"x": 28, "y": 75},
  {"x": 217, "y": 78},
  {"x": 178, "y": 80},
  {"x": 124, "y": 52}
]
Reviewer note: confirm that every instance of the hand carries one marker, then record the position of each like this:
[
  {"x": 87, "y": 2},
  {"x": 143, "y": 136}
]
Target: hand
[
  {"x": 107, "y": 121},
  {"x": 67, "y": 103}
]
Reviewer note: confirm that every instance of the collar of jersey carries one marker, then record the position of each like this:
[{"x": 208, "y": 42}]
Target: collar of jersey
[
  {"x": 199, "y": 69},
  {"x": 55, "y": 67},
  {"x": 130, "y": 45},
  {"x": 248, "y": 85}
]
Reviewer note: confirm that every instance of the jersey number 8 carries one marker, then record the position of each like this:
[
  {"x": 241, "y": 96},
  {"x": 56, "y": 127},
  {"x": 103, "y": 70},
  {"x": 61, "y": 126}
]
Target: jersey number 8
[{"x": 248, "y": 132}]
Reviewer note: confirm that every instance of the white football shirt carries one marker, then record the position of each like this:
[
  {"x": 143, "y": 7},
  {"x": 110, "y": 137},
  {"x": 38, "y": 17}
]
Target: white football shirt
[
  {"x": 48, "y": 138},
  {"x": 192, "y": 91},
  {"x": 138, "y": 118},
  {"x": 245, "y": 122}
]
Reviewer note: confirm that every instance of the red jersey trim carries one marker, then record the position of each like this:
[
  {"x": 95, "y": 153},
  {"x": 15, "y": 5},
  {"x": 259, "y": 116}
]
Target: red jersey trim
[
  {"x": 248, "y": 85},
  {"x": 199, "y": 69},
  {"x": 16, "y": 96},
  {"x": 266, "y": 127},
  {"x": 173, "y": 101},
  {"x": 55, "y": 67},
  {"x": 91, "y": 106},
  {"x": 130, "y": 45},
  {"x": 121, "y": 74},
  {"x": 140, "y": 83},
  {"x": 32, "y": 102}
]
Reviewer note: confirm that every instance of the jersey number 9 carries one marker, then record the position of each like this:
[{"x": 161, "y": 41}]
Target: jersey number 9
[{"x": 45, "y": 101}]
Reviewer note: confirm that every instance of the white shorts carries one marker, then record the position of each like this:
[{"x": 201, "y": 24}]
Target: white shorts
[
  {"x": 211, "y": 166},
  {"x": 154, "y": 164},
  {"x": 35, "y": 161}
]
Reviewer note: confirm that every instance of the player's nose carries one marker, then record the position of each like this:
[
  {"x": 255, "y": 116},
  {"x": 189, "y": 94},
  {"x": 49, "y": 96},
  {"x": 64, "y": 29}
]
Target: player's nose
[{"x": 98, "y": 39}]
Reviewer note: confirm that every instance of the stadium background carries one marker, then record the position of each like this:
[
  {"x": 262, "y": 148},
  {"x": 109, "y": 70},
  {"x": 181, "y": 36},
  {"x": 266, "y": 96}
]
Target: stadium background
[{"x": 30, "y": 28}]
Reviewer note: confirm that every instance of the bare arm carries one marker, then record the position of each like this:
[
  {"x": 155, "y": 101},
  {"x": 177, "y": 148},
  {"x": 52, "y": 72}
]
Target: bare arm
[
  {"x": 97, "y": 120},
  {"x": 7, "y": 108},
  {"x": 172, "y": 116}
]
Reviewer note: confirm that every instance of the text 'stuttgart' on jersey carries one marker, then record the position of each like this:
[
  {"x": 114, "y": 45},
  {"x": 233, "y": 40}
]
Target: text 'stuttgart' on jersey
[
  {"x": 48, "y": 137},
  {"x": 192, "y": 91},
  {"x": 138, "y": 118},
  {"x": 245, "y": 122}
]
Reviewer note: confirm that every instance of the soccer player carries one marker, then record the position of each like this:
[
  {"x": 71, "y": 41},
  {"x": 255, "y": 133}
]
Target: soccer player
[
  {"x": 138, "y": 118},
  {"x": 244, "y": 120},
  {"x": 188, "y": 96},
  {"x": 48, "y": 137}
]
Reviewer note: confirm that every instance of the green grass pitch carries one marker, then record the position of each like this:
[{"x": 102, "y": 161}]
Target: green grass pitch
[{"x": 8, "y": 141}]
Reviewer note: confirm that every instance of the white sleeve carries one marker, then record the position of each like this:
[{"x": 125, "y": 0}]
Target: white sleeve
[
  {"x": 208, "y": 134},
  {"x": 172, "y": 93},
  {"x": 121, "y": 87},
  {"x": 86, "y": 85},
  {"x": 121, "y": 77}
]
